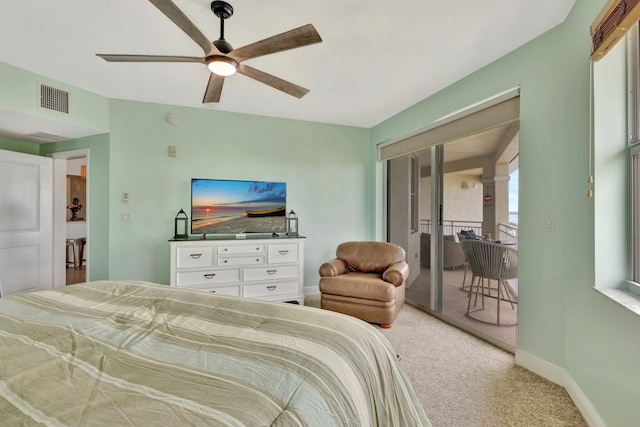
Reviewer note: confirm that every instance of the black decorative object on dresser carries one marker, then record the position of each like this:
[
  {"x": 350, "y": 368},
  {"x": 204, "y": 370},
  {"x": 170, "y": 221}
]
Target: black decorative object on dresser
[{"x": 180, "y": 227}]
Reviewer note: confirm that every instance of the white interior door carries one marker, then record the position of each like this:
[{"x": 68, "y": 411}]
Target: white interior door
[{"x": 26, "y": 222}]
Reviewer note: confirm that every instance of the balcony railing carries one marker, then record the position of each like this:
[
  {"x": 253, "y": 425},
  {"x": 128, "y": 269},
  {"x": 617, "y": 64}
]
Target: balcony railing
[
  {"x": 506, "y": 232},
  {"x": 452, "y": 226}
]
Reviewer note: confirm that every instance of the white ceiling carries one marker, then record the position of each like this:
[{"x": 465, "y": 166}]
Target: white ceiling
[{"x": 377, "y": 57}]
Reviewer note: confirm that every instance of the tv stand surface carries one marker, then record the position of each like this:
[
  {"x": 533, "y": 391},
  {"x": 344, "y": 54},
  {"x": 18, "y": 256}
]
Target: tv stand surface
[
  {"x": 247, "y": 236},
  {"x": 268, "y": 268}
]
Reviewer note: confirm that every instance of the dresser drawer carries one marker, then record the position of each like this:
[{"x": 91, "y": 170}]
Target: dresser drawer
[
  {"x": 261, "y": 290},
  {"x": 283, "y": 253},
  {"x": 194, "y": 257},
  {"x": 233, "y": 290},
  {"x": 242, "y": 260},
  {"x": 271, "y": 273},
  {"x": 206, "y": 277},
  {"x": 240, "y": 249}
]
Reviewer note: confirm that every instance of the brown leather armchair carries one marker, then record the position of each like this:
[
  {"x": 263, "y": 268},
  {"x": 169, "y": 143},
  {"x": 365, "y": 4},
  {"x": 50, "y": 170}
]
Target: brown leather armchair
[{"x": 365, "y": 280}]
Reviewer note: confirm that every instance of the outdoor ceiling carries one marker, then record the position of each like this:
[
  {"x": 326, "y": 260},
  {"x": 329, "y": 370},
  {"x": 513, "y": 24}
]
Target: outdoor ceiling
[
  {"x": 377, "y": 57},
  {"x": 466, "y": 155}
]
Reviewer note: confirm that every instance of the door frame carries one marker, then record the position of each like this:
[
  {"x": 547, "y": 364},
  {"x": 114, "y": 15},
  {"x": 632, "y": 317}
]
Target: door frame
[
  {"x": 60, "y": 213},
  {"x": 436, "y": 241}
]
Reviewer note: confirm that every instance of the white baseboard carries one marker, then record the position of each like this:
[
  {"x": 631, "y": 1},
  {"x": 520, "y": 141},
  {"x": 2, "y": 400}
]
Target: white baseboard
[
  {"x": 546, "y": 370},
  {"x": 583, "y": 403},
  {"x": 559, "y": 376},
  {"x": 311, "y": 290}
]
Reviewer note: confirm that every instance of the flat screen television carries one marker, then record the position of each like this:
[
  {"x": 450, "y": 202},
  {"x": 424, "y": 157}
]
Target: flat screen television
[{"x": 221, "y": 206}]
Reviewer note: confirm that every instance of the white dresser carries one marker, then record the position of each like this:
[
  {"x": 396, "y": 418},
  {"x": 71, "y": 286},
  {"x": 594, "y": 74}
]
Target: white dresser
[{"x": 269, "y": 269}]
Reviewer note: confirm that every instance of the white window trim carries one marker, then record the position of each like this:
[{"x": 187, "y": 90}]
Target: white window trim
[
  {"x": 634, "y": 288},
  {"x": 625, "y": 297},
  {"x": 629, "y": 294}
]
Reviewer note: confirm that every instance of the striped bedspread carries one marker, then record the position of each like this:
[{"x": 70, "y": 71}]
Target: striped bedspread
[{"x": 139, "y": 354}]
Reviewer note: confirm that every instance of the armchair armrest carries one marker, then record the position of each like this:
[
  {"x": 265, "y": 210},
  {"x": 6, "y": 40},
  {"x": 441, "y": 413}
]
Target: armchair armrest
[
  {"x": 396, "y": 273},
  {"x": 335, "y": 267}
]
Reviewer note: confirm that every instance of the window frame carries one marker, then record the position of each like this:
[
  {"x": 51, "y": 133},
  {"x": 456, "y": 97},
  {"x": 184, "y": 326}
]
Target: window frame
[
  {"x": 414, "y": 194},
  {"x": 633, "y": 151},
  {"x": 634, "y": 172},
  {"x": 620, "y": 285}
]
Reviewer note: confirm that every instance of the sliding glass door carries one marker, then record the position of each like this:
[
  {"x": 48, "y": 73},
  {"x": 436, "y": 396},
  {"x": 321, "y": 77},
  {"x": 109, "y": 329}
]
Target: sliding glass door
[{"x": 435, "y": 193}]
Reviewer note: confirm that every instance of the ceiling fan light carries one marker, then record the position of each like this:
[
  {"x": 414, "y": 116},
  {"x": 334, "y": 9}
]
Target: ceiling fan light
[{"x": 222, "y": 66}]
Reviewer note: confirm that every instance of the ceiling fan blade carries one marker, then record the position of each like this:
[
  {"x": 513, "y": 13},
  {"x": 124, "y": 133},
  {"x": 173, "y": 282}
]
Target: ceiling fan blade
[
  {"x": 292, "y": 39},
  {"x": 273, "y": 81},
  {"x": 214, "y": 89},
  {"x": 149, "y": 58},
  {"x": 180, "y": 19}
]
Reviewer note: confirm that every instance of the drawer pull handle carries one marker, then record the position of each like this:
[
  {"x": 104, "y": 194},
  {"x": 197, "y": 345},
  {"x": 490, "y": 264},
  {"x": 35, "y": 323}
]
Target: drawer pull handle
[
  {"x": 257, "y": 248},
  {"x": 196, "y": 256},
  {"x": 283, "y": 252},
  {"x": 257, "y": 259},
  {"x": 272, "y": 287},
  {"x": 272, "y": 272},
  {"x": 225, "y": 261},
  {"x": 209, "y": 275},
  {"x": 213, "y": 292}
]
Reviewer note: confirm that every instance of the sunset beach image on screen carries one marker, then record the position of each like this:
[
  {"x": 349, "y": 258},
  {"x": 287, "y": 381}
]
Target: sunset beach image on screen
[{"x": 232, "y": 207}]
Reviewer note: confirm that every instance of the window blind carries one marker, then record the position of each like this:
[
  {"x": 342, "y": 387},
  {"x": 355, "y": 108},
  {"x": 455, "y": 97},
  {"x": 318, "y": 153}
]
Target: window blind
[
  {"x": 488, "y": 118},
  {"x": 612, "y": 23}
]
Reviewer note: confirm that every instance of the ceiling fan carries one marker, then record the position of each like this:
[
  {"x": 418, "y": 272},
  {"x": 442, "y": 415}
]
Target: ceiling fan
[{"x": 221, "y": 59}]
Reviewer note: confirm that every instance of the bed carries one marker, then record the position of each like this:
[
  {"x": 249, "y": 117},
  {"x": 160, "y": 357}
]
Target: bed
[{"x": 141, "y": 354}]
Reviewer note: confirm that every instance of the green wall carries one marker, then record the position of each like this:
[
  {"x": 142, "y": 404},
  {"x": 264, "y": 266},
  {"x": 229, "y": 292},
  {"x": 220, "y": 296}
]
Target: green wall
[
  {"x": 19, "y": 146},
  {"x": 19, "y": 89},
  {"x": 553, "y": 131},
  {"x": 326, "y": 169},
  {"x": 563, "y": 320},
  {"x": 335, "y": 185}
]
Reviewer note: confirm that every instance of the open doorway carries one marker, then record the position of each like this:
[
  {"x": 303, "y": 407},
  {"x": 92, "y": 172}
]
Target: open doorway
[
  {"x": 72, "y": 213},
  {"x": 76, "y": 221},
  {"x": 466, "y": 207},
  {"x": 464, "y": 185}
]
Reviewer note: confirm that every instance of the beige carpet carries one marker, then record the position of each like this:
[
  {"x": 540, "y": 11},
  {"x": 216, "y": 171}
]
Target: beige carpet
[
  {"x": 454, "y": 308},
  {"x": 463, "y": 381}
]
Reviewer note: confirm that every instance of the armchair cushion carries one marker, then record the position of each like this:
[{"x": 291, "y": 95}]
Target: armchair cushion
[
  {"x": 359, "y": 285},
  {"x": 471, "y": 235},
  {"x": 369, "y": 257}
]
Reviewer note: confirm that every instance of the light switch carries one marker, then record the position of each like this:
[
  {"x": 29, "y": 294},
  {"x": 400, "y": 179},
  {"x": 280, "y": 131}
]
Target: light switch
[
  {"x": 173, "y": 151},
  {"x": 126, "y": 217}
]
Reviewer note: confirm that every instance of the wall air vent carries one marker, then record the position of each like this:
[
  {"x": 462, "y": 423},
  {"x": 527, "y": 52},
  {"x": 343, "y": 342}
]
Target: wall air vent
[{"x": 54, "y": 99}]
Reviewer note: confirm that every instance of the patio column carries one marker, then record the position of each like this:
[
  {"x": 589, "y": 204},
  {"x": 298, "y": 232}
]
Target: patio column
[{"x": 495, "y": 182}]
